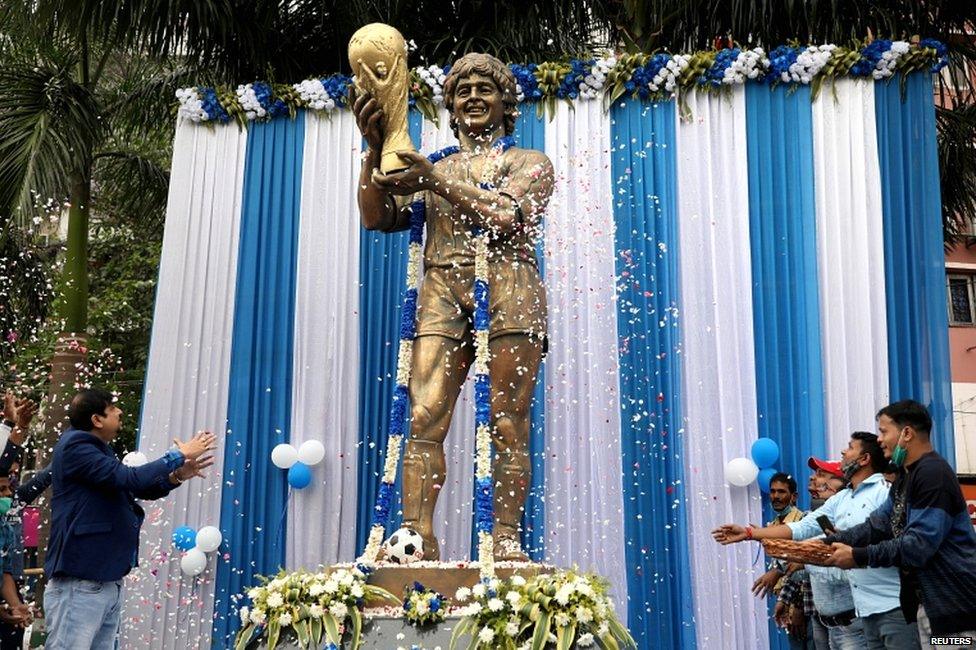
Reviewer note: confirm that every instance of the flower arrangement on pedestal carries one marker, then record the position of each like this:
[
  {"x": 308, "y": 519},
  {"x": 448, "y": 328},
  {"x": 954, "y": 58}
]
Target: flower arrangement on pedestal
[
  {"x": 556, "y": 609},
  {"x": 423, "y": 607},
  {"x": 308, "y": 605}
]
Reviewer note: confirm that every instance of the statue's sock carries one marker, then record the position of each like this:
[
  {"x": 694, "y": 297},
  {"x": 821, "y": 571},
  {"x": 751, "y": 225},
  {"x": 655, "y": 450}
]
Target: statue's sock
[{"x": 424, "y": 471}]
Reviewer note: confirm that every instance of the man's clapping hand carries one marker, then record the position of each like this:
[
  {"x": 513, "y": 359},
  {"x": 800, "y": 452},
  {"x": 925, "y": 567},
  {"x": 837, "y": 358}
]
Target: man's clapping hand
[
  {"x": 194, "y": 467},
  {"x": 197, "y": 446}
]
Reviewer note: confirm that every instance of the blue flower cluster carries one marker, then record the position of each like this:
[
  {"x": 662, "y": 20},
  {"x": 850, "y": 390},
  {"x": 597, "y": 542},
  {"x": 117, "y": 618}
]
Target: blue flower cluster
[
  {"x": 418, "y": 215},
  {"x": 525, "y": 76},
  {"x": 723, "y": 61},
  {"x": 941, "y": 49},
  {"x": 338, "y": 88},
  {"x": 215, "y": 112},
  {"x": 780, "y": 61},
  {"x": 276, "y": 107},
  {"x": 398, "y": 411},
  {"x": 870, "y": 57},
  {"x": 443, "y": 153},
  {"x": 569, "y": 86},
  {"x": 639, "y": 81},
  {"x": 384, "y": 499},
  {"x": 484, "y": 504}
]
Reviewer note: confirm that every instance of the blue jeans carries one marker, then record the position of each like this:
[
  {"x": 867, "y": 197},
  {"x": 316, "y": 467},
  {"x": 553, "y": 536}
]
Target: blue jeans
[
  {"x": 848, "y": 637},
  {"x": 821, "y": 641},
  {"x": 889, "y": 631},
  {"x": 82, "y": 614}
]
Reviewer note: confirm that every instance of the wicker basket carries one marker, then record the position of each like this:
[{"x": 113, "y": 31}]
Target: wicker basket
[{"x": 813, "y": 552}]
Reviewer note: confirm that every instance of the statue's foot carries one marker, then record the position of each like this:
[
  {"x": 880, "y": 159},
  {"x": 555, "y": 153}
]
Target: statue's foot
[
  {"x": 508, "y": 549},
  {"x": 432, "y": 550}
]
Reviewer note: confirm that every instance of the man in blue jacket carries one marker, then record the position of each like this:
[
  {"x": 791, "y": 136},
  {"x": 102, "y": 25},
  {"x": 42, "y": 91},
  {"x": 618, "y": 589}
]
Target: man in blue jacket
[{"x": 95, "y": 520}]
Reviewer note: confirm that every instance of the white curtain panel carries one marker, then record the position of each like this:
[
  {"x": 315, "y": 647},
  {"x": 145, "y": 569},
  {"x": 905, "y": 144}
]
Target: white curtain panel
[
  {"x": 325, "y": 371},
  {"x": 719, "y": 383},
  {"x": 851, "y": 259},
  {"x": 187, "y": 380},
  {"x": 452, "y": 518},
  {"x": 583, "y": 503}
]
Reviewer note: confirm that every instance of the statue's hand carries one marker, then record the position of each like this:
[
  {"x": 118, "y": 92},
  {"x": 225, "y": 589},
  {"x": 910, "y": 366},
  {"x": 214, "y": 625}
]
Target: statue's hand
[
  {"x": 419, "y": 176},
  {"x": 369, "y": 118}
]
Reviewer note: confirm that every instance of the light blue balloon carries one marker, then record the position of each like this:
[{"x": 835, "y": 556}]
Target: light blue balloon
[
  {"x": 764, "y": 477},
  {"x": 299, "y": 475},
  {"x": 184, "y": 538},
  {"x": 765, "y": 452}
]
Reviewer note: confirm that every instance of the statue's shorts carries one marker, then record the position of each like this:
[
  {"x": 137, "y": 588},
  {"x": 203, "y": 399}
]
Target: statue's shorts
[{"x": 517, "y": 302}]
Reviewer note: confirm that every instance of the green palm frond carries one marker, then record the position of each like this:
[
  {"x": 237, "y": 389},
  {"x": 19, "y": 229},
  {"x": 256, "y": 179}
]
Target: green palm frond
[
  {"x": 131, "y": 187},
  {"x": 50, "y": 126},
  {"x": 957, "y": 167}
]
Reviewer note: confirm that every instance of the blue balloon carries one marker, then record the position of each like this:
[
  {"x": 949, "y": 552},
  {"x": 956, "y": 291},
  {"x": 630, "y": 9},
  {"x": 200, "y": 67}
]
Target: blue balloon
[
  {"x": 764, "y": 476},
  {"x": 184, "y": 538},
  {"x": 765, "y": 452},
  {"x": 299, "y": 475}
]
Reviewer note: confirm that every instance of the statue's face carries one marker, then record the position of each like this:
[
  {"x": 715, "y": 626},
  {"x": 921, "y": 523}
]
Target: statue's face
[{"x": 478, "y": 105}]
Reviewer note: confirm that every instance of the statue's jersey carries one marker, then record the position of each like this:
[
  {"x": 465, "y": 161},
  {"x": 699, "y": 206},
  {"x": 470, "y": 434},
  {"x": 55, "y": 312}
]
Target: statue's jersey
[{"x": 517, "y": 301}]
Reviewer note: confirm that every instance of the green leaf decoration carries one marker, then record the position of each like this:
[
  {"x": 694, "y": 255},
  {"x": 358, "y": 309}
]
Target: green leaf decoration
[
  {"x": 541, "y": 636},
  {"x": 274, "y": 631},
  {"x": 332, "y": 628}
]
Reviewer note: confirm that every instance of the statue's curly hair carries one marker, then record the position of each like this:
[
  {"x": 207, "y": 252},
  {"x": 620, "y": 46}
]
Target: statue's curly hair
[{"x": 488, "y": 66}]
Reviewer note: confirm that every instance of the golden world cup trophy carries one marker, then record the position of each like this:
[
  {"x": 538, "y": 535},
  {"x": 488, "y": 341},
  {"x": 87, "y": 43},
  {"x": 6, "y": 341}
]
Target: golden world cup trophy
[{"x": 378, "y": 56}]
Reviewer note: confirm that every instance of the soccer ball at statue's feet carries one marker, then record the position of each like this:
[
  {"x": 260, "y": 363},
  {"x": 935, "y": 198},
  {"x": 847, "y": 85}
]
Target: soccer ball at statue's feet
[{"x": 404, "y": 546}]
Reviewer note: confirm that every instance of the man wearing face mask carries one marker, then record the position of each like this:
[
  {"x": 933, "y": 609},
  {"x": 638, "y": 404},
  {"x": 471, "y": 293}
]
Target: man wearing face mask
[
  {"x": 923, "y": 529},
  {"x": 873, "y": 619}
]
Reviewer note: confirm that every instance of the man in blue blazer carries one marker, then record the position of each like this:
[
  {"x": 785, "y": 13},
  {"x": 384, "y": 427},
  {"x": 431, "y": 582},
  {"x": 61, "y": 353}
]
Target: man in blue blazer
[{"x": 95, "y": 520}]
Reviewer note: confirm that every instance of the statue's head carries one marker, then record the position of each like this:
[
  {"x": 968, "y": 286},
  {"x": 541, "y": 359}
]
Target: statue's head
[{"x": 480, "y": 95}]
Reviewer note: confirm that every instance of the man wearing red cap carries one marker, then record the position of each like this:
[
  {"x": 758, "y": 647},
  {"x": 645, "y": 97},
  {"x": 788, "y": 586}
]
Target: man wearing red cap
[
  {"x": 827, "y": 480},
  {"x": 874, "y": 592}
]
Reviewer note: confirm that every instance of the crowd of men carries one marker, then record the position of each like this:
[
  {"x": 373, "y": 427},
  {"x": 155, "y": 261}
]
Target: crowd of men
[{"x": 902, "y": 568}]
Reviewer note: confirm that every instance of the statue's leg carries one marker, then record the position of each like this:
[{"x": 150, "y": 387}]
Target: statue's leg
[
  {"x": 514, "y": 364},
  {"x": 440, "y": 365}
]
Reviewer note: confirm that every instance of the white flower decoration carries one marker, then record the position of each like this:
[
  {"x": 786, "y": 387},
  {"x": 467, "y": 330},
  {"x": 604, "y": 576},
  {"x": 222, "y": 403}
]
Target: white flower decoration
[
  {"x": 257, "y": 616},
  {"x": 496, "y": 605},
  {"x": 339, "y": 610},
  {"x": 486, "y": 635},
  {"x": 478, "y": 590},
  {"x": 512, "y": 628},
  {"x": 585, "y": 640},
  {"x": 252, "y": 108},
  {"x": 245, "y": 615},
  {"x": 462, "y": 594},
  {"x": 191, "y": 108},
  {"x": 316, "y": 610},
  {"x": 285, "y": 619},
  {"x": 275, "y": 600}
]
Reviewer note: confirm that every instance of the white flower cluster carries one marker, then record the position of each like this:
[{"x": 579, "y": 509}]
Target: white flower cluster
[
  {"x": 320, "y": 594},
  {"x": 592, "y": 85},
  {"x": 750, "y": 64},
  {"x": 314, "y": 95},
  {"x": 495, "y": 616},
  {"x": 667, "y": 77},
  {"x": 434, "y": 77},
  {"x": 889, "y": 60},
  {"x": 249, "y": 102},
  {"x": 809, "y": 63},
  {"x": 191, "y": 106}
]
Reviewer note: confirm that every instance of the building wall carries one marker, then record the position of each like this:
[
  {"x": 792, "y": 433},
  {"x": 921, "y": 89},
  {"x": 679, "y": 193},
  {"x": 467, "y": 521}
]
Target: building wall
[{"x": 962, "y": 352}]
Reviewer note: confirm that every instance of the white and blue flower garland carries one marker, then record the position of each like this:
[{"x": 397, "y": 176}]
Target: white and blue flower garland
[{"x": 643, "y": 76}]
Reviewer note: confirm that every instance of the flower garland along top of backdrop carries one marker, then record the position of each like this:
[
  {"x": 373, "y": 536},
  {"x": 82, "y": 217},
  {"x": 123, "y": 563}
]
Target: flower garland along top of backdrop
[{"x": 643, "y": 76}]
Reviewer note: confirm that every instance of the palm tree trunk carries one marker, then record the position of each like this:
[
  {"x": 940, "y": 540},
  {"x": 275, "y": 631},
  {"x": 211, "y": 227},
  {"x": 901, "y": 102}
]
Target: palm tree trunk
[{"x": 70, "y": 349}]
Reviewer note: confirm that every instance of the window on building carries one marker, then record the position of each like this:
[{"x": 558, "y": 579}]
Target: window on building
[{"x": 962, "y": 300}]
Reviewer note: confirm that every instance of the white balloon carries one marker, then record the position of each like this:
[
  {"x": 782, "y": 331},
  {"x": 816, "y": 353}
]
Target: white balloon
[
  {"x": 209, "y": 539},
  {"x": 311, "y": 452},
  {"x": 193, "y": 562},
  {"x": 284, "y": 455},
  {"x": 741, "y": 471},
  {"x": 134, "y": 459}
]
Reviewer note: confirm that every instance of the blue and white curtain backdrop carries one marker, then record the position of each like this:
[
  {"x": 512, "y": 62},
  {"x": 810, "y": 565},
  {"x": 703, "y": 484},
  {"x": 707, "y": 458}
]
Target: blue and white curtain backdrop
[{"x": 752, "y": 263}]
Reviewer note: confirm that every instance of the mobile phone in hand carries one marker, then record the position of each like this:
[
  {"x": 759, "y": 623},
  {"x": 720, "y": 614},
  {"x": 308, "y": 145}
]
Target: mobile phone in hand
[{"x": 825, "y": 525}]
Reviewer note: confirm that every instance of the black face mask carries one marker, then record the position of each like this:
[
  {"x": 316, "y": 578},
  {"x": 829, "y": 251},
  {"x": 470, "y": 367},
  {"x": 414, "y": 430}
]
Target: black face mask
[{"x": 816, "y": 503}]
